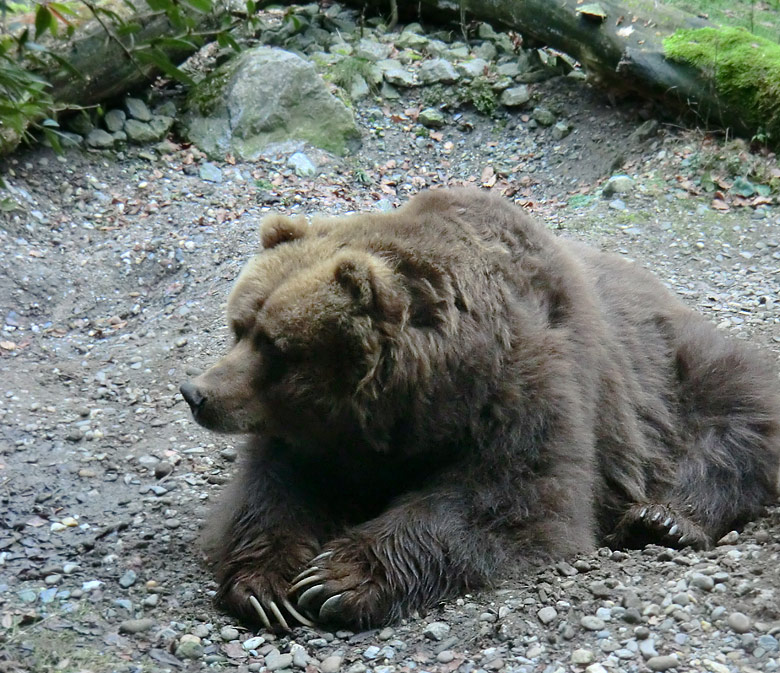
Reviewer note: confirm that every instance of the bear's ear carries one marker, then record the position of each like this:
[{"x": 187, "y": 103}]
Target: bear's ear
[
  {"x": 371, "y": 283},
  {"x": 277, "y": 229}
]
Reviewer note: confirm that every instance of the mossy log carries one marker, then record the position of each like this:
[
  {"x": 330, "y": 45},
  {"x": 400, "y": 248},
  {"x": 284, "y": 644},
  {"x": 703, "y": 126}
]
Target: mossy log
[{"x": 625, "y": 46}]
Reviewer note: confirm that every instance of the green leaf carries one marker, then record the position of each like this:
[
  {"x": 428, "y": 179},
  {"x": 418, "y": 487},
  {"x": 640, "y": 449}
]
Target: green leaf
[
  {"x": 43, "y": 20},
  {"x": 251, "y": 7},
  {"x": 51, "y": 123},
  {"x": 227, "y": 40},
  {"x": 159, "y": 5},
  {"x": 129, "y": 28},
  {"x": 161, "y": 60},
  {"x": 67, "y": 65},
  {"x": 203, "y": 6},
  {"x": 62, "y": 8},
  {"x": 176, "y": 43}
]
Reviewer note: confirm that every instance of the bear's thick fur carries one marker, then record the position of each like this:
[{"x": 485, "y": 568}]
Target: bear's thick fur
[{"x": 447, "y": 392}]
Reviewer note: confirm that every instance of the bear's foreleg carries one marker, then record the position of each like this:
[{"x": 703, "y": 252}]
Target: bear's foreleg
[{"x": 265, "y": 532}]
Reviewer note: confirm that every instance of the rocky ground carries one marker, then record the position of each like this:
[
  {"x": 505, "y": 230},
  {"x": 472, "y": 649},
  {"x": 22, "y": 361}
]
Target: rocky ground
[{"x": 114, "y": 269}]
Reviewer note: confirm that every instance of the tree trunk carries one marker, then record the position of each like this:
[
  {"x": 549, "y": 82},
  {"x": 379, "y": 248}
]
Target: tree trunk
[{"x": 623, "y": 49}]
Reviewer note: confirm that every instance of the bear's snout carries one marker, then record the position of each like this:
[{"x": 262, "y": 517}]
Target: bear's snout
[{"x": 192, "y": 395}]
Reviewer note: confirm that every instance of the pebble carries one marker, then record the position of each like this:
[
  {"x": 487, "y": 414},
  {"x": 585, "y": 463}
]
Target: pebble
[
  {"x": 253, "y": 643},
  {"x": 739, "y": 622},
  {"x": 445, "y": 656},
  {"x": 591, "y": 623},
  {"x": 128, "y": 579},
  {"x": 547, "y": 615},
  {"x": 703, "y": 582},
  {"x": 331, "y": 664},
  {"x": 189, "y": 647},
  {"x": 436, "y": 631},
  {"x": 275, "y": 661},
  {"x": 582, "y": 657},
  {"x": 228, "y": 633},
  {"x": 662, "y": 663},
  {"x": 209, "y": 172},
  {"x": 300, "y": 659},
  {"x": 136, "y": 625}
]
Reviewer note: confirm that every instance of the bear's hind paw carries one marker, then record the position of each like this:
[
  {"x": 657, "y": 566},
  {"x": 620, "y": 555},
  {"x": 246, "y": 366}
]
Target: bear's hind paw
[{"x": 277, "y": 614}]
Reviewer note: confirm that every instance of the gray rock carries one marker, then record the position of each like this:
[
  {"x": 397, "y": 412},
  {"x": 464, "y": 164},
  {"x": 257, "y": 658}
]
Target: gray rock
[
  {"x": 515, "y": 96},
  {"x": 331, "y": 664},
  {"x": 411, "y": 40},
  {"x": 209, "y": 172},
  {"x": 137, "y": 109},
  {"x": 474, "y": 67},
  {"x": 128, "y": 579},
  {"x": 115, "y": 120},
  {"x": 302, "y": 165},
  {"x": 359, "y": 88},
  {"x": 662, "y": 663},
  {"x": 228, "y": 633},
  {"x": 299, "y": 657},
  {"x": 486, "y": 50},
  {"x": 136, "y": 625},
  {"x": 140, "y": 132},
  {"x": 547, "y": 615},
  {"x": 561, "y": 130},
  {"x": 372, "y": 50},
  {"x": 543, "y": 116},
  {"x": 510, "y": 69},
  {"x": 436, "y": 630},
  {"x": 431, "y": 118},
  {"x": 645, "y": 131},
  {"x": 81, "y": 124},
  {"x": 486, "y": 32},
  {"x": 647, "y": 648},
  {"x": 160, "y": 125},
  {"x": 703, "y": 582},
  {"x": 618, "y": 184},
  {"x": 264, "y": 96},
  {"x": 100, "y": 139},
  {"x": 189, "y": 647},
  {"x": 591, "y": 623},
  {"x": 617, "y": 204},
  {"x": 253, "y": 643},
  {"x": 438, "y": 71},
  {"x": 739, "y": 622},
  {"x": 400, "y": 77},
  {"x": 275, "y": 661},
  {"x": 162, "y": 469},
  {"x": 582, "y": 657}
]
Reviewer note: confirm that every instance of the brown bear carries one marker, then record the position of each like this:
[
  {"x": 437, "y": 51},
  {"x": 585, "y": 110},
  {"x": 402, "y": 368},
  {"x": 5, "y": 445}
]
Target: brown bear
[{"x": 442, "y": 394}]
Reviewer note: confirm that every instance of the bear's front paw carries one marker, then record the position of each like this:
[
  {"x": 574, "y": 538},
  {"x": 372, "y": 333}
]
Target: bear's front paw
[
  {"x": 261, "y": 598},
  {"x": 341, "y": 587}
]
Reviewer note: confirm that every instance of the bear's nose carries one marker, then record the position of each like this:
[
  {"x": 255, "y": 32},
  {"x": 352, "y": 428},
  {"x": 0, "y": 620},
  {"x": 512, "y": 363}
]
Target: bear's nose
[{"x": 192, "y": 395}]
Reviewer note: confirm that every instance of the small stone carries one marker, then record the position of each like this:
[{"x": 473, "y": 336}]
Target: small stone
[
  {"x": 543, "y": 116},
  {"x": 209, "y": 172},
  {"x": 591, "y": 623},
  {"x": 137, "y": 109},
  {"x": 140, "y": 132},
  {"x": 162, "y": 469},
  {"x": 596, "y": 668},
  {"x": 400, "y": 77},
  {"x": 729, "y": 538},
  {"x": 600, "y": 590},
  {"x": 739, "y": 622},
  {"x": 617, "y": 204},
  {"x": 136, "y": 625},
  {"x": 438, "y": 70},
  {"x": 228, "y": 633},
  {"x": 189, "y": 647},
  {"x": 475, "y": 67},
  {"x": 229, "y": 453},
  {"x": 299, "y": 657},
  {"x": 331, "y": 664},
  {"x": 581, "y": 657},
  {"x": 275, "y": 661},
  {"x": 128, "y": 579},
  {"x": 445, "y": 656},
  {"x": 560, "y": 130},
  {"x": 91, "y": 585},
  {"x": 662, "y": 663},
  {"x": 703, "y": 582},
  {"x": 99, "y": 139},
  {"x": 302, "y": 165},
  {"x": 371, "y": 652},
  {"x": 431, "y": 118},
  {"x": 253, "y": 643},
  {"x": 618, "y": 184},
  {"x": 547, "y": 615},
  {"x": 515, "y": 96},
  {"x": 115, "y": 120},
  {"x": 715, "y": 667},
  {"x": 647, "y": 648},
  {"x": 436, "y": 631}
]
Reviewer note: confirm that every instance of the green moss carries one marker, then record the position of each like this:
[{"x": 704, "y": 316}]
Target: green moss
[{"x": 744, "y": 67}]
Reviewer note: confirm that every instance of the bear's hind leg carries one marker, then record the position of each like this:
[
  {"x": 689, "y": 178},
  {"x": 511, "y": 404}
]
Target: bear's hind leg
[{"x": 644, "y": 524}]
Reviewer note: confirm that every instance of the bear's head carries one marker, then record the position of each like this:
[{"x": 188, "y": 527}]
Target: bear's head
[{"x": 310, "y": 317}]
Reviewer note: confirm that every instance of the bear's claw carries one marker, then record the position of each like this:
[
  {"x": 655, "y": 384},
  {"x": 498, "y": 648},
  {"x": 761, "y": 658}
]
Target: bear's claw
[
  {"x": 330, "y": 610},
  {"x": 277, "y": 613}
]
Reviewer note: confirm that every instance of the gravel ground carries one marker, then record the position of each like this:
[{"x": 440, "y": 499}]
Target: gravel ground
[{"x": 113, "y": 279}]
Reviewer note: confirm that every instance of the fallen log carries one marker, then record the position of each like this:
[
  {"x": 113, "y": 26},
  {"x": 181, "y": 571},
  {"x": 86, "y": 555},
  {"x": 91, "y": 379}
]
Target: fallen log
[{"x": 644, "y": 48}]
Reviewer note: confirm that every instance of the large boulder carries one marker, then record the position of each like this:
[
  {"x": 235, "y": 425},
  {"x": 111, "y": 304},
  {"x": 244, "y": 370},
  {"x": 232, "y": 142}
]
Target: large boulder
[{"x": 264, "y": 96}]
